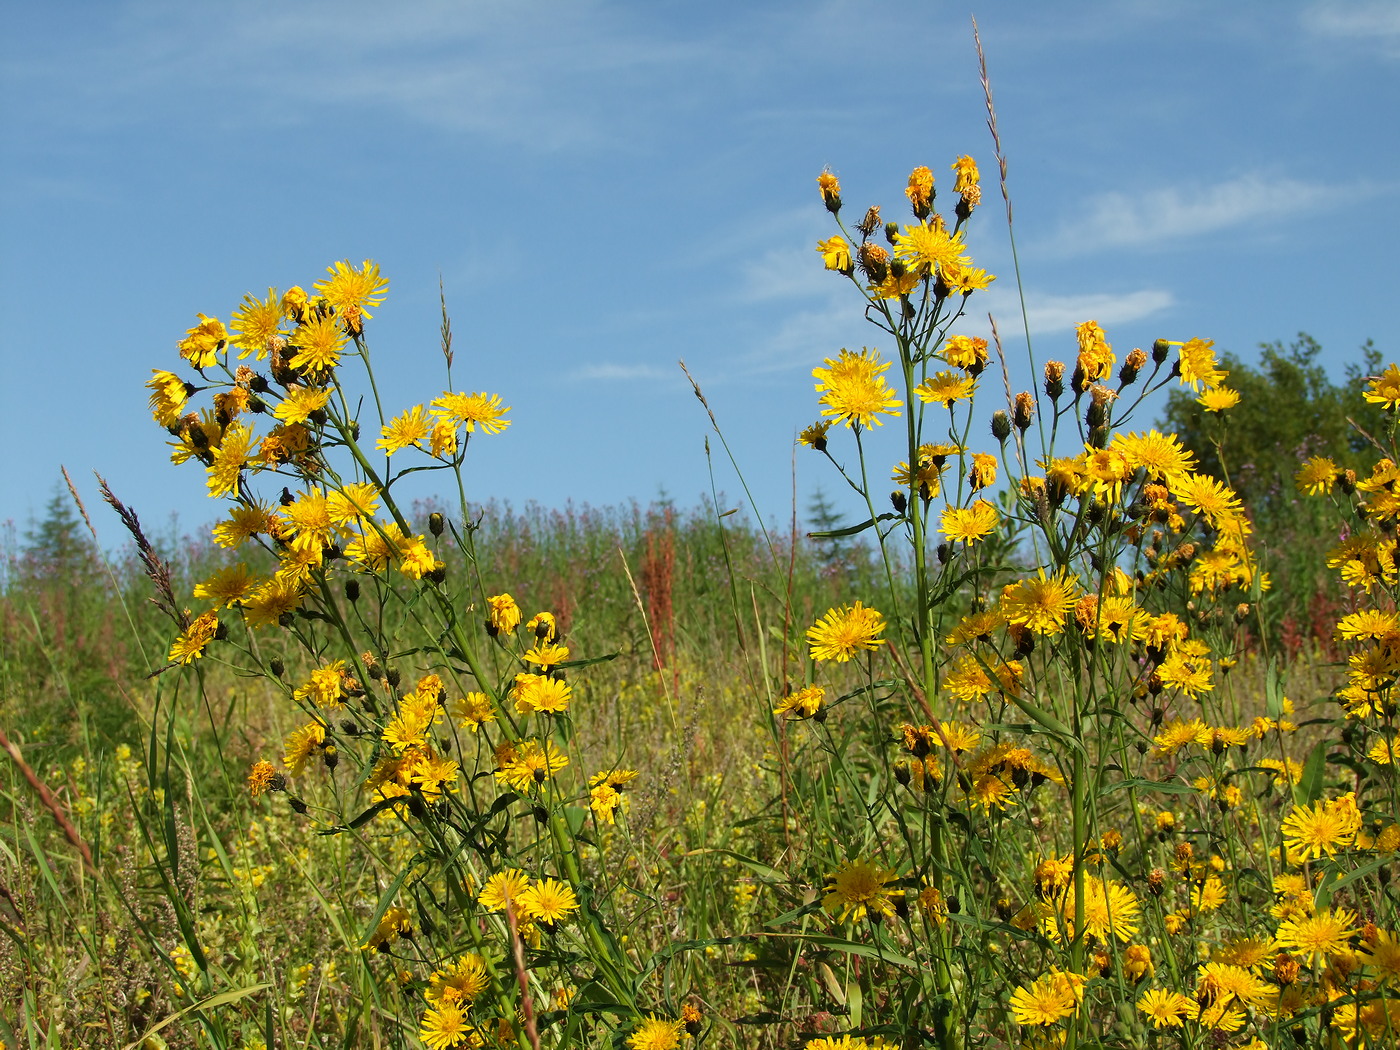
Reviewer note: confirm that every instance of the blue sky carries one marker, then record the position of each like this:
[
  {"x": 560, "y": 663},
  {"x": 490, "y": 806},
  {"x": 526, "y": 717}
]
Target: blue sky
[{"x": 605, "y": 188}]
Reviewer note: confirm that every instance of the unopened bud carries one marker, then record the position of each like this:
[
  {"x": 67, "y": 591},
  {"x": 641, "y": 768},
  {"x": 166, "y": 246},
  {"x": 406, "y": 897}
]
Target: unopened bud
[
  {"x": 898, "y": 501},
  {"x": 277, "y": 668},
  {"x": 1160, "y": 349},
  {"x": 435, "y": 523},
  {"x": 1001, "y": 425},
  {"x": 352, "y": 590}
]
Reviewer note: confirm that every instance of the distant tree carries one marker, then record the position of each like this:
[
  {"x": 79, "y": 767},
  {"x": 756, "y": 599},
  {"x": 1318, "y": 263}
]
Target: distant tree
[
  {"x": 1289, "y": 411},
  {"x": 58, "y": 545},
  {"x": 822, "y": 516}
]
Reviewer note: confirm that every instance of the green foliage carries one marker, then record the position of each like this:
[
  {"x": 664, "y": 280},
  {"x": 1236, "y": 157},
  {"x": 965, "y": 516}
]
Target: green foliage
[{"x": 1290, "y": 410}]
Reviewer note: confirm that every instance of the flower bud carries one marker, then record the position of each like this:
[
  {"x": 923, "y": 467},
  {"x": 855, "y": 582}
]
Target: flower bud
[
  {"x": 1001, "y": 425},
  {"x": 277, "y": 668},
  {"x": 891, "y": 231},
  {"x": 435, "y": 523},
  {"x": 1132, "y": 365},
  {"x": 352, "y": 590},
  {"x": 1054, "y": 379},
  {"x": 898, "y": 501}
]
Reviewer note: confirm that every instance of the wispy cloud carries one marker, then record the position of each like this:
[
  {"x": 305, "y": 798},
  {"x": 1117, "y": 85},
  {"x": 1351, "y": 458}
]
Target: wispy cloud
[
  {"x": 1159, "y": 216},
  {"x": 1060, "y": 313},
  {"x": 613, "y": 372},
  {"x": 1375, "y": 23}
]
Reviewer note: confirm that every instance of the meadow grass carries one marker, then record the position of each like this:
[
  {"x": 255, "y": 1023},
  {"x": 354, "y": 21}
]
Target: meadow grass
[{"x": 1010, "y": 762}]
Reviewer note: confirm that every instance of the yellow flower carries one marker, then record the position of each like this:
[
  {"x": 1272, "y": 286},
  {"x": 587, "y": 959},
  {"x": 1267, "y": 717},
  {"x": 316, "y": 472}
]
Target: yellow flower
[
  {"x": 844, "y": 632},
  {"x": 407, "y": 428},
  {"x": 256, "y": 322},
  {"x": 1326, "y": 826},
  {"x": 460, "y": 982},
  {"x": 854, "y": 389},
  {"x": 472, "y": 710},
  {"x": 1317, "y": 476},
  {"x": 983, "y": 472},
  {"x": 1166, "y": 1009},
  {"x": 966, "y": 352},
  {"x": 548, "y": 901},
  {"x": 299, "y": 402},
  {"x": 814, "y": 436},
  {"x": 1040, "y": 604},
  {"x": 654, "y": 1033},
  {"x": 929, "y": 248},
  {"x": 168, "y": 396},
  {"x": 967, "y": 175},
  {"x": 350, "y": 290},
  {"x": 804, "y": 703},
  {"x": 318, "y": 345},
  {"x": 540, "y": 693},
  {"x": 194, "y": 639},
  {"x": 445, "y": 1027},
  {"x": 527, "y": 764},
  {"x": 1049, "y": 999},
  {"x": 946, "y": 388},
  {"x": 503, "y": 615},
  {"x": 830, "y": 188},
  {"x": 1096, "y": 358},
  {"x": 226, "y": 586},
  {"x": 1318, "y": 936},
  {"x": 1196, "y": 365},
  {"x": 301, "y": 744},
  {"x": 836, "y": 254},
  {"x": 473, "y": 410},
  {"x": 264, "y": 777},
  {"x": 543, "y": 626},
  {"x": 1160, "y": 456},
  {"x": 1218, "y": 399},
  {"x": 858, "y": 888},
  {"x": 968, "y": 524},
  {"x": 1384, "y": 388},
  {"x": 202, "y": 343},
  {"x": 503, "y": 889},
  {"x": 920, "y": 190}
]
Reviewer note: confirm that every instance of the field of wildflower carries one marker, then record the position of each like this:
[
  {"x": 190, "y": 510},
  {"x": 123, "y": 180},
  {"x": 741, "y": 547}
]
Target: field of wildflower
[{"x": 1010, "y": 762}]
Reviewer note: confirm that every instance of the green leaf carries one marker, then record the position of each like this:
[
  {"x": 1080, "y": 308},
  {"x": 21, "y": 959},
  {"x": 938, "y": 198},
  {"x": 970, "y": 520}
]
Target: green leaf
[
  {"x": 869, "y": 951},
  {"x": 365, "y": 817},
  {"x": 1165, "y": 787},
  {"x": 756, "y": 866},
  {"x": 850, "y": 530},
  {"x": 1309, "y": 788}
]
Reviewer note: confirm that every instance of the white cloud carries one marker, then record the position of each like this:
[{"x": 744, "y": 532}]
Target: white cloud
[
  {"x": 1376, "y": 22},
  {"x": 1117, "y": 220},
  {"x": 1060, "y": 313}
]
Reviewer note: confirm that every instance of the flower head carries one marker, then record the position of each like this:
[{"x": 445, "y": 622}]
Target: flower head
[
  {"x": 350, "y": 290},
  {"x": 856, "y": 889},
  {"x": 256, "y": 322},
  {"x": 203, "y": 342},
  {"x": 854, "y": 390},
  {"x": 654, "y": 1033},
  {"x": 844, "y": 632}
]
